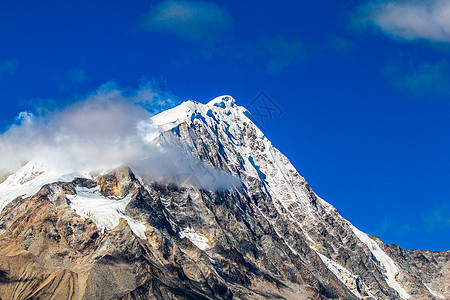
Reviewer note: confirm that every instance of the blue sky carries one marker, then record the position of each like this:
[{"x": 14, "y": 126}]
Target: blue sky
[{"x": 364, "y": 86}]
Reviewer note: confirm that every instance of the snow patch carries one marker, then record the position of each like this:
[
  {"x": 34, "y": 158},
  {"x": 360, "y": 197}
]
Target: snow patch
[
  {"x": 29, "y": 179},
  {"x": 105, "y": 212},
  {"x": 344, "y": 275},
  {"x": 384, "y": 260},
  {"x": 196, "y": 238}
]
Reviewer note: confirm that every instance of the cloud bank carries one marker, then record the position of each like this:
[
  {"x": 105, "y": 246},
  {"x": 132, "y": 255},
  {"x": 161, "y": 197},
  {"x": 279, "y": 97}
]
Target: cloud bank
[
  {"x": 409, "y": 20},
  {"x": 108, "y": 128},
  {"x": 190, "y": 20},
  {"x": 94, "y": 133}
]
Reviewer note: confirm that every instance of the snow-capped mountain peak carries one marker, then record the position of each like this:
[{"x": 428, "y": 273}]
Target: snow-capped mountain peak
[{"x": 269, "y": 235}]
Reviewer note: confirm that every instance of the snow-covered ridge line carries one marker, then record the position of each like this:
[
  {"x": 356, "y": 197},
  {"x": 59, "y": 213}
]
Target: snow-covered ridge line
[
  {"x": 29, "y": 179},
  {"x": 387, "y": 263},
  {"x": 188, "y": 111}
]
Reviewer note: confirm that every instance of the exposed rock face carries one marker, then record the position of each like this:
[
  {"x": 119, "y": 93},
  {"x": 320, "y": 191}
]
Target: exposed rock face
[
  {"x": 423, "y": 270},
  {"x": 119, "y": 236}
]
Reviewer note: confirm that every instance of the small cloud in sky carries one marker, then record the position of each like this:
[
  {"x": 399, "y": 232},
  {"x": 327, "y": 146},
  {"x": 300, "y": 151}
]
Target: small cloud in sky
[
  {"x": 405, "y": 229},
  {"x": 437, "y": 218},
  {"x": 8, "y": 66},
  {"x": 421, "y": 80},
  {"x": 273, "y": 54},
  {"x": 279, "y": 52},
  {"x": 76, "y": 76},
  {"x": 408, "y": 20},
  {"x": 192, "y": 20},
  {"x": 338, "y": 44},
  {"x": 399, "y": 229},
  {"x": 384, "y": 227},
  {"x": 70, "y": 79}
]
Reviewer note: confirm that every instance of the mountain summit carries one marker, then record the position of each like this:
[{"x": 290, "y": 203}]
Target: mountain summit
[{"x": 228, "y": 217}]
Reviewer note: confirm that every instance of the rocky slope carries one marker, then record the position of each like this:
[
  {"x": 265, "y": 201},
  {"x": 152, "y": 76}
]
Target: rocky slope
[{"x": 237, "y": 221}]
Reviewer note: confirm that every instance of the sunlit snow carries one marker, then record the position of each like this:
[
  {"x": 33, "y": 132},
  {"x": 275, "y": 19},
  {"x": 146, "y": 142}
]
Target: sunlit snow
[
  {"x": 196, "y": 238},
  {"x": 29, "y": 179},
  {"x": 384, "y": 260},
  {"x": 105, "y": 212}
]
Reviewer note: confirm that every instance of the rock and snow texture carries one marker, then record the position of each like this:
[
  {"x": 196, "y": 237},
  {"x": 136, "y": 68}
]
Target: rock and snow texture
[
  {"x": 197, "y": 239},
  {"x": 344, "y": 275},
  {"x": 386, "y": 262},
  {"x": 104, "y": 211},
  {"x": 244, "y": 147},
  {"x": 270, "y": 225},
  {"x": 28, "y": 180},
  {"x": 434, "y": 293}
]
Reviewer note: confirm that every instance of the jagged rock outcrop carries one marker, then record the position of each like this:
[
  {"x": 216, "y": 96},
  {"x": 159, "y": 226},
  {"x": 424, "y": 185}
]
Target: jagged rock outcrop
[{"x": 242, "y": 223}]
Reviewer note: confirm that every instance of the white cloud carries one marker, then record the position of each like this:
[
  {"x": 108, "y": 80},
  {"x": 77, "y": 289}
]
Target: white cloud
[
  {"x": 190, "y": 20},
  {"x": 409, "y": 20},
  {"x": 104, "y": 130},
  {"x": 95, "y": 133}
]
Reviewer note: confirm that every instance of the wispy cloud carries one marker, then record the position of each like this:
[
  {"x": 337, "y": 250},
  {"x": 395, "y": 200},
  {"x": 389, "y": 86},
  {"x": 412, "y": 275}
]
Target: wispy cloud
[
  {"x": 8, "y": 66},
  {"x": 76, "y": 76},
  {"x": 399, "y": 229},
  {"x": 437, "y": 218},
  {"x": 421, "y": 80},
  {"x": 71, "y": 79},
  {"x": 279, "y": 52},
  {"x": 409, "y": 20},
  {"x": 337, "y": 44},
  {"x": 385, "y": 226},
  {"x": 190, "y": 20},
  {"x": 273, "y": 53}
]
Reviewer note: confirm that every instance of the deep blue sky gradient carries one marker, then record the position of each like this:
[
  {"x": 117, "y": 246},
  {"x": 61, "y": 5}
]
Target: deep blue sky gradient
[{"x": 365, "y": 116}]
